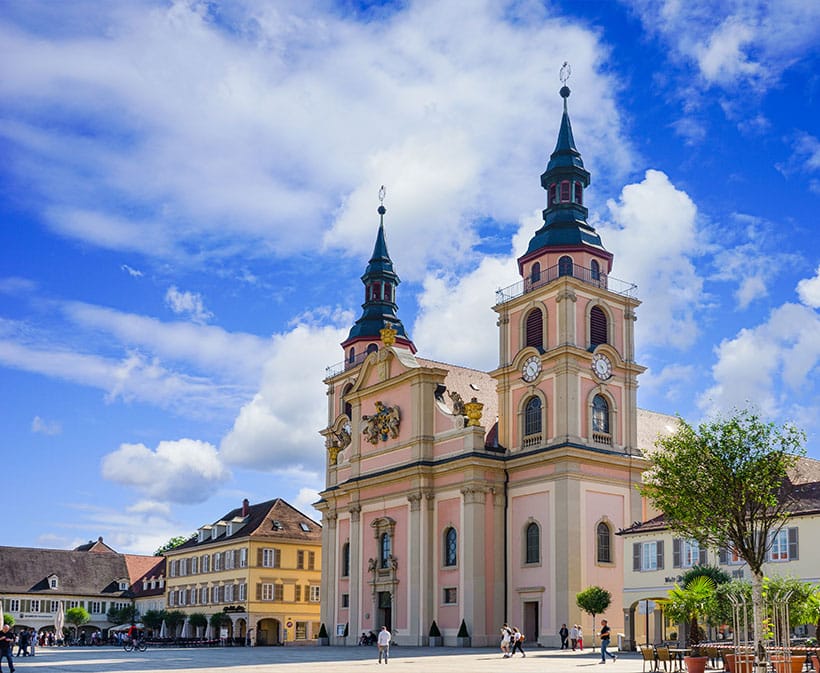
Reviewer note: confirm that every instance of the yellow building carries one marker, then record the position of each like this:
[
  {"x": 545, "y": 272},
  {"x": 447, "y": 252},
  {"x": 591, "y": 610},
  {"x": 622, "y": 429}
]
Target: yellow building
[{"x": 260, "y": 565}]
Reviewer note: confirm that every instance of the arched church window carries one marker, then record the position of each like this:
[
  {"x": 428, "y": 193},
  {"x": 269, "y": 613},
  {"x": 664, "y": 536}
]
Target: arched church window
[
  {"x": 598, "y": 327},
  {"x": 351, "y": 356},
  {"x": 600, "y": 415},
  {"x": 604, "y": 543},
  {"x": 594, "y": 270},
  {"x": 533, "y": 548},
  {"x": 565, "y": 266},
  {"x": 346, "y": 559},
  {"x": 532, "y": 417},
  {"x": 579, "y": 193},
  {"x": 372, "y": 348},
  {"x": 347, "y": 408},
  {"x": 535, "y": 275},
  {"x": 450, "y": 547},
  {"x": 565, "y": 191},
  {"x": 385, "y": 550},
  {"x": 535, "y": 329}
]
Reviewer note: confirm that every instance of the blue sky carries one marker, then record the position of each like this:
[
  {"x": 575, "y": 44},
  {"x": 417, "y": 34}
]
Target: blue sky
[{"x": 188, "y": 197}]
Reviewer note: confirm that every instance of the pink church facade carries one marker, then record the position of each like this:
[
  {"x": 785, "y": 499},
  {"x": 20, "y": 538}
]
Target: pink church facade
[{"x": 459, "y": 496}]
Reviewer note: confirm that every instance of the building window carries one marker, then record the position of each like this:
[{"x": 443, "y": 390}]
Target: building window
[
  {"x": 345, "y": 600},
  {"x": 535, "y": 274},
  {"x": 553, "y": 193},
  {"x": 351, "y": 356},
  {"x": 372, "y": 348},
  {"x": 311, "y": 560},
  {"x": 579, "y": 193},
  {"x": 533, "y": 535},
  {"x": 271, "y": 558},
  {"x": 604, "y": 535},
  {"x": 385, "y": 550},
  {"x": 534, "y": 330},
  {"x": 203, "y": 596},
  {"x": 565, "y": 191},
  {"x": 206, "y": 563},
  {"x": 450, "y": 547},
  {"x": 217, "y": 562},
  {"x": 267, "y": 592},
  {"x": 346, "y": 559},
  {"x": 243, "y": 558},
  {"x": 598, "y": 327},
  {"x": 300, "y": 560},
  {"x": 532, "y": 417},
  {"x": 53, "y": 582},
  {"x": 594, "y": 270},
  {"x": 687, "y": 553},
  {"x": 565, "y": 266},
  {"x": 35, "y": 606},
  {"x": 647, "y": 556},
  {"x": 315, "y": 591},
  {"x": 194, "y": 565},
  {"x": 600, "y": 415},
  {"x": 347, "y": 408},
  {"x": 55, "y": 606},
  {"x": 14, "y": 605},
  {"x": 450, "y": 596},
  {"x": 173, "y": 570},
  {"x": 784, "y": 545},
  {"x": 243, "y": 592},
  {"x": 301, "y": 630},
  {"x": 278, "y": 592}
]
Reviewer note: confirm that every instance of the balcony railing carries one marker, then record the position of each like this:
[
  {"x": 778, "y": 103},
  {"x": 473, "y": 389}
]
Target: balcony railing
[
  {"x": 585, "y": 275},
  {"x": 346, "y": 364}
]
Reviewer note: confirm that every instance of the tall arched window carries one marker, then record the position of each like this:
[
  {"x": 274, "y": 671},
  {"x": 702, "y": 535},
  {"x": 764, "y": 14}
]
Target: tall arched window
[
  {"x": 385, "y": 550},
  {"x": 579, "y": 193},
  {"x": 565, "y": 266},
  {"x": 565, "y": 191},
  {"x": 532, "y": 417},
  {"x": 347, "y": 408},
  {"x": 595, "y": 270},
  {"x": 535, "y": 329},
  {"x": 351, "y": 356},
  {"x": 604, "y": 545},
  {"x": 535, "y": 275},
  {"x": 372, "y": 348},
  {"x": 600, "y": 415},
  {"x": 450, "y": 547},
  {"x": 346, "y": 559},
  {"x": 533, "y": 552},
  {"x": 598, "y": 327}
]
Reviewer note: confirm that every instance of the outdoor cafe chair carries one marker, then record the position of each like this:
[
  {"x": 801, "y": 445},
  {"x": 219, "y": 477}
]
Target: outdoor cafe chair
[
  {"x": 648, "y": 654},
  {"x": 664, "y": 656}
]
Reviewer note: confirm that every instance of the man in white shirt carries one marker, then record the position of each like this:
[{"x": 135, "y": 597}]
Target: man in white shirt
[{"x": 383, "y": 642}]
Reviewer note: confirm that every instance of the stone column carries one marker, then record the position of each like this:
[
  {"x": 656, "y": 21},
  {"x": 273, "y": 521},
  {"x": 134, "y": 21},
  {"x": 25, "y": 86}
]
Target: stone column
[
  {"x": 330, "y": 579},
  {"x": 566, "y": 299},
  {"x": 356, "y": 574},
  {"x": 416, "y": 627},
  {"x": 629, "y": 629},
  {"x": 473, "y": 569}
]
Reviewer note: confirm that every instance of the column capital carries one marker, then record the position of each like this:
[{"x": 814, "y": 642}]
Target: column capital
[
  {"x": 474, "y": 494},
  {"x": 415, "y": 501},
  {"x": 355, "y": 513}
]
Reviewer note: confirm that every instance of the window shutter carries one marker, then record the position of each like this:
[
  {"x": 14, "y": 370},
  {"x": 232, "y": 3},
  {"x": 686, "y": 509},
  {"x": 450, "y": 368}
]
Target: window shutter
[
  {"x": 675, "y": 553},
  {"x": 259, "y": 557},
  {"x": 259, "y": 591},
  {"x": 277, "y": 558},
  {"x": 298, "y": 593},
  {"x": 793, "y": 545},
  {"x": 660, "y": 554},
  {"x": 535, "y": 329},
  {"x": 636, "y": 556},
  {"x": 597, "y": 327},
  {"x": 702, "y": 559}
]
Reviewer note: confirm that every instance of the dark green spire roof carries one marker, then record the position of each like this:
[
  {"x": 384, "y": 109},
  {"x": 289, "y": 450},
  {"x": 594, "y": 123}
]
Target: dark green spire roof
[
  {"x": 380, "y": 282},
  {"x": 565, "y": 217}
]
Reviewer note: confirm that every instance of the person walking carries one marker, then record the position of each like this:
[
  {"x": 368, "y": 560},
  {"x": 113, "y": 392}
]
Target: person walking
[
  {"x": 573, "y": 636},
  {"x": 580, "y": 638},
  {"x": 506, "y": 636},
  {"x": 383, "y": 641},
  {"x": 605, "y": 634},
  {"x": 32, "y": 642},
  {"x": 564, "y": 633},
  {"x": 6, "y": 644},
  {"x": 517, "y": 640}
]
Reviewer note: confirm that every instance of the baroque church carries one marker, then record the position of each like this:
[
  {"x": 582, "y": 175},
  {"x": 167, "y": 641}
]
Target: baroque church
[{"x": 470, "y": 498}]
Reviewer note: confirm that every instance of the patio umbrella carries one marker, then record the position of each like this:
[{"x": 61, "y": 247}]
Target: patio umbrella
[
  {"x": 185, "y": 630},
  {"x": 59, "y": 621},
  {"x": 2, "y": 616},
  {"x": 208, "y": 632},
  {"x": 163, "y": 630}
]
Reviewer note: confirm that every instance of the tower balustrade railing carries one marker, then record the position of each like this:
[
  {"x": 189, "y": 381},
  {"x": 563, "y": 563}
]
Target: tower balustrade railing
[{"x": 586, "y": 275}]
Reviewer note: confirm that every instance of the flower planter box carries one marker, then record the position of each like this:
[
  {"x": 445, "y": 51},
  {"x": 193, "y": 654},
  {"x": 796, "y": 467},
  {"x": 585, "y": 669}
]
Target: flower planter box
[{"x": 696, "y": 664}]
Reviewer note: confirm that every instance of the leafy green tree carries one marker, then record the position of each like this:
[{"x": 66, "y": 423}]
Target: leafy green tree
[
  {"x": 594, "y": 601},
  {"x": 197, "y": 620},
  {"x": 77, "y": 617},
  {"x": 219, "y": 619},
  {"x": 173, "y": 543},
  {"x": 8, "y": 619},
  {"x": 690, "y": 604},
  {"x": 173, "y": 619},
  {"x": 717, "y": 575},
  {"x": 726, "y": 484},
  {"x": 153, "y": 619},
  {"x": 127, "y": 614}
]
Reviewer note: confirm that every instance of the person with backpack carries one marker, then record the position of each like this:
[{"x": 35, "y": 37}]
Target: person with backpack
[{"x": 517, "y": 640}]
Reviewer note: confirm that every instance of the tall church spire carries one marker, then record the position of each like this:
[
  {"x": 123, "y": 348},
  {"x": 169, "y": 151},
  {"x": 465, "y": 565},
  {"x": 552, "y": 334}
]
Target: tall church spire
[
  {"x": 565, "y": 179},
  {"x": 379, "y": 308}
]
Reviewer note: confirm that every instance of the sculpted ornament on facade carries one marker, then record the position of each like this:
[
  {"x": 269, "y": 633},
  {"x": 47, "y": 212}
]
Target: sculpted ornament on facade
[{"x": 382, "y": 425}]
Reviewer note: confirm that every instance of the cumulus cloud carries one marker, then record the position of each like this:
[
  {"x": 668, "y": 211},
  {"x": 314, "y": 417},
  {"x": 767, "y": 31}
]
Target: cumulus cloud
[
  {"x": 278, "y": 429},
  {"x": 808, "y": 290},
  {"x": 183, "y": 470},
  {"x": 44, "y": 427},
  {"x": 187, "y": 303},
  {"x": 655, "y": 238}
]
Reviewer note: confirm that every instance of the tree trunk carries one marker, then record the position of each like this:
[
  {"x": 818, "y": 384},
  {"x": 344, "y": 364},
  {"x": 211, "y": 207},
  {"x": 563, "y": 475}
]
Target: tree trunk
[{"x": 757, "y": 622}]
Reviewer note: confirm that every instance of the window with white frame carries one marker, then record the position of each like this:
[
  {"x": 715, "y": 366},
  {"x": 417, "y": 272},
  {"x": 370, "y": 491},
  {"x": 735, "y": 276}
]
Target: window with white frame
[
  {"x": 243, "y": 592},
  {"x": 267, "y": 592},
  {"x": 53, "y": 582},
  {"x": 647, "y": 556},
  {"x": 173, "y": 572},
  {"x": 243, "y": 558},
  {"x": 203, "y": 595},
  {"x": 194, "y": 565},
  {"x": 270, "y": 558},
  {"x": 784, "y": 545},
  {"x": 55, "y": 606},
  {"x": 690, "y": 553},
  {"x": 183, "y": 567},
  {"x": 314, "y": 593},
  {"x": 34, "y": 606},
  {"x": 95, "y": 607},
  {"x": 217, "y": 562},
  {"x": 206, "y": 563}
]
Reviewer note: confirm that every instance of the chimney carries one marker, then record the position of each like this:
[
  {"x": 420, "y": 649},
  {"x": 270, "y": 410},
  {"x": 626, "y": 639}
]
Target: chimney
[{"x": 246, "y": 507}]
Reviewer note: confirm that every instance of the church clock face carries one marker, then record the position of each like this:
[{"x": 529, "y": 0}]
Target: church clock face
[
  {"x": 601, "y": 366},
  {"x": 531, "y": 368}
]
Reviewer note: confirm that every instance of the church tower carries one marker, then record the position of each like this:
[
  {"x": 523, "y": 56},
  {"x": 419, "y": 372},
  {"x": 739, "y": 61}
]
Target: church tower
[{"x": 567, "y": 384}]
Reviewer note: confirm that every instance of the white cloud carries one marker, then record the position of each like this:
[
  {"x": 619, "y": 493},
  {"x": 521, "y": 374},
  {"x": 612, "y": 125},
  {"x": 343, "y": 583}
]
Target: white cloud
[
  {"x": 44, "y": 427},
  {"x": 278, "y": 429},
  {"x": 808, "y": 290},
  {"x": 183, "y": 471},
  {"x": 134, "y": 273},
  {"x": 654, "y": 237},
  {"x": 187, "y": 303},
  {"x": 304, "y": 503}
]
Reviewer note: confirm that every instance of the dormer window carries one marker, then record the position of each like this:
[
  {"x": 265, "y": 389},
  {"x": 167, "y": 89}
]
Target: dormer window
[
  {"x": 277, "y": 525},
  {"x": 123, "y": 585},
  {"x": 579, "y": 193},
  {"x": 304, "y": 527},
  {"x": 53, "y": 582}
]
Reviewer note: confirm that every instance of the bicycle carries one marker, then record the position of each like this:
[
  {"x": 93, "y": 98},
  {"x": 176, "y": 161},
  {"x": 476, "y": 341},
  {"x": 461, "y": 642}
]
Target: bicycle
[{"x": 130, "y": 645}]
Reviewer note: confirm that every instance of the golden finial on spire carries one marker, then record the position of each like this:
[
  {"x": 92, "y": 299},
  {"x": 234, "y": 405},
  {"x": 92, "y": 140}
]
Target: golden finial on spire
[{"x": 388, "y": 335}]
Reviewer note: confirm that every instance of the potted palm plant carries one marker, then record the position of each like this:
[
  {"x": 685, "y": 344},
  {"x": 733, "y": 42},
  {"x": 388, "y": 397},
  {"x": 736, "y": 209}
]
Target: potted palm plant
[{"x": 689, "y": 605}]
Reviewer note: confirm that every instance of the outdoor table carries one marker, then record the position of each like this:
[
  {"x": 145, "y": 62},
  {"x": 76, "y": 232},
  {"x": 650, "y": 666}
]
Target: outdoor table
[{"x": 680, "y": 653}]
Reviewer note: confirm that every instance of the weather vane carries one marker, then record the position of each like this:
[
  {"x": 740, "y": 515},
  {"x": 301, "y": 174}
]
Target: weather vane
[
  {"x": 565, "y": 73},
  {"x": 382, "y": 209}
]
